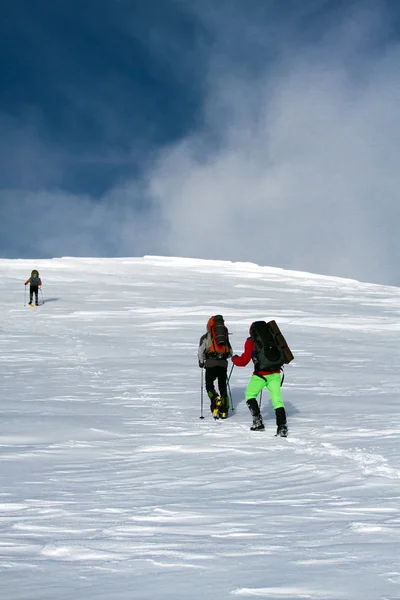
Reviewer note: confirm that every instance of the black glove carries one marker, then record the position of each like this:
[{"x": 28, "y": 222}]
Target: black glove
[{"x": 201, "y": 364}]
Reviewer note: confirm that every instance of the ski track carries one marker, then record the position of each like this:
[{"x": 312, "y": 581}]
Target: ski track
[{"x": 114, "y": 488}]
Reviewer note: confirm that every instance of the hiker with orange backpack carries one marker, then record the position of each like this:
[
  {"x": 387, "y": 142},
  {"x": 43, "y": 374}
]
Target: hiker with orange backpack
[
  {"x": 34, "y": 283},
  {"x": 214, "y": 350}
]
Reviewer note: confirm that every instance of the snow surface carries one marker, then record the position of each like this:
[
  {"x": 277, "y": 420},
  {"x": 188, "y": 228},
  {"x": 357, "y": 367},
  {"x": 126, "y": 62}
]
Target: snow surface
[{"x": 113, "y": 488}]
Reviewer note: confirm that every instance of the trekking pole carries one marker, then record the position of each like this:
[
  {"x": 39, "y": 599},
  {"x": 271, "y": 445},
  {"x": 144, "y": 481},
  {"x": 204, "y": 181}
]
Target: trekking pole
[
  {"x": 259, "y": 404},
  {"x": 230, "y": 395},
  {"x": 41, "y": 293},
  {"x": 229, "y": 389},
  {"x": 25, "y": 295},
  {"x": 201, "y": 396}
]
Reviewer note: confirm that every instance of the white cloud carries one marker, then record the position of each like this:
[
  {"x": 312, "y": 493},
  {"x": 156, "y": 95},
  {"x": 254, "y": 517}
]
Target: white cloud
[
  {"x": 303, "y": 168},
  {"x": 295, "y": 164}
]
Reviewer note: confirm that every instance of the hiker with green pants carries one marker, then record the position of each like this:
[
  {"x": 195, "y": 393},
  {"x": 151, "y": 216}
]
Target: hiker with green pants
[{"x": 267, "y": 367}]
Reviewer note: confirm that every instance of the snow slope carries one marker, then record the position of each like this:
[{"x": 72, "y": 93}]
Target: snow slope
[{"x": 113, "y": 488}]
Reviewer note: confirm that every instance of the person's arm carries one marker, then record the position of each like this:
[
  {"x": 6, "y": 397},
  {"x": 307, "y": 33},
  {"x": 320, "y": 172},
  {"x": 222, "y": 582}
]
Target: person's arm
[
  {"x": 245, "y": 358},
  {"x": 202, "y": 350},
  {"x": 27, "y": 281}
]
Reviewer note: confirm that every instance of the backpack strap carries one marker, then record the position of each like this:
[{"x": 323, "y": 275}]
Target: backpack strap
[{"x": 262, "y": 376}]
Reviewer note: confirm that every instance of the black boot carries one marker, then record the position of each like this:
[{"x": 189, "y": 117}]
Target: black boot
[
  {"x": 215, "y": 402},
  {"x": 282, "y": 429},
  {"x": 258, "y": 424},
  {"x": 223, "y": 408}
]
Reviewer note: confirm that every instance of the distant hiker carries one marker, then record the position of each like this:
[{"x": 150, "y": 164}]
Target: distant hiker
[
  {"x": 34, "y": 283},
  {"x": 214, "y": 350},
  {"x": 268, "y": 358}
]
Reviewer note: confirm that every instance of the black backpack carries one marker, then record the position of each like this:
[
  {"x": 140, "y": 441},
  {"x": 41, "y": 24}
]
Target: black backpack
[{"x": 270, "y": 355}]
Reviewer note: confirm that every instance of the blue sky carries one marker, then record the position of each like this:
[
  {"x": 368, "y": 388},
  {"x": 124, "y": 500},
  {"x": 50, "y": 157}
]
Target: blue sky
[{"x": 251, "y": 130}]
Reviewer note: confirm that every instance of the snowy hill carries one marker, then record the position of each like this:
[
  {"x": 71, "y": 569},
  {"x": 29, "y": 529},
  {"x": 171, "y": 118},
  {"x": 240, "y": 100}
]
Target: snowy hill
[{"x": 113, "y": 488}]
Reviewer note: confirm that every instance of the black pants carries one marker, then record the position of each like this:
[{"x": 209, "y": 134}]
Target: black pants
[
  {"x": 219, "y": 373},
  {"x": 34, "y": 289}
]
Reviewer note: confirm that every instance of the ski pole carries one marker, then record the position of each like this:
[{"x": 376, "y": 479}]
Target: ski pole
[
  {"x": 201, "y": 396},
  {"x": 259, "y": 404},
  {"x": 41, "y": 293},
  {"x": 25, "y": 295},
  {"x": 230, "y": 395},
  {"x": 229, "y": 389}
]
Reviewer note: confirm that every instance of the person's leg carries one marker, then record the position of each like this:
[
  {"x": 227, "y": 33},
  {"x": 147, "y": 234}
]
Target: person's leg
[
  {"x": 222, "y": 376},
  {"x": 274, "y": 388},
  {"x": 36, "y": 292},
  {"x": 222, "y": 386},
  {"x": 30, "y": 294},
  {"x": 211, "y": 375},
  {"x": 273, "y": 383},
  {"x": 255, "y": 385}
]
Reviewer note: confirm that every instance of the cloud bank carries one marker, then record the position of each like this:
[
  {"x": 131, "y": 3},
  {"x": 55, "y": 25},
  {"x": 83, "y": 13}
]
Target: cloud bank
[{"x": 294, "y": 164}]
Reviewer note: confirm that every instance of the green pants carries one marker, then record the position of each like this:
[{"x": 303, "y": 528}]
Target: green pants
[{"x": 272, "y": 383}]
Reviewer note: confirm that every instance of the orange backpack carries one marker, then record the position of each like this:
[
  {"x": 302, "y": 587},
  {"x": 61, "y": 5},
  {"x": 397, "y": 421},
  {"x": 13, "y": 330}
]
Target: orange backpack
[{"x": 218, "y": 337}]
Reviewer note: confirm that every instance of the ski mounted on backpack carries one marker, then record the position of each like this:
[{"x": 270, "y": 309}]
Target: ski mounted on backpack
[{"x": 272, "y": 351}]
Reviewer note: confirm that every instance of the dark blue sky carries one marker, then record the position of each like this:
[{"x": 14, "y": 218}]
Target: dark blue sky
[
  {"x": 105, "y": 81},
  {"x": 96, "y": 78},
  {"x": 112, "y": 109}
]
